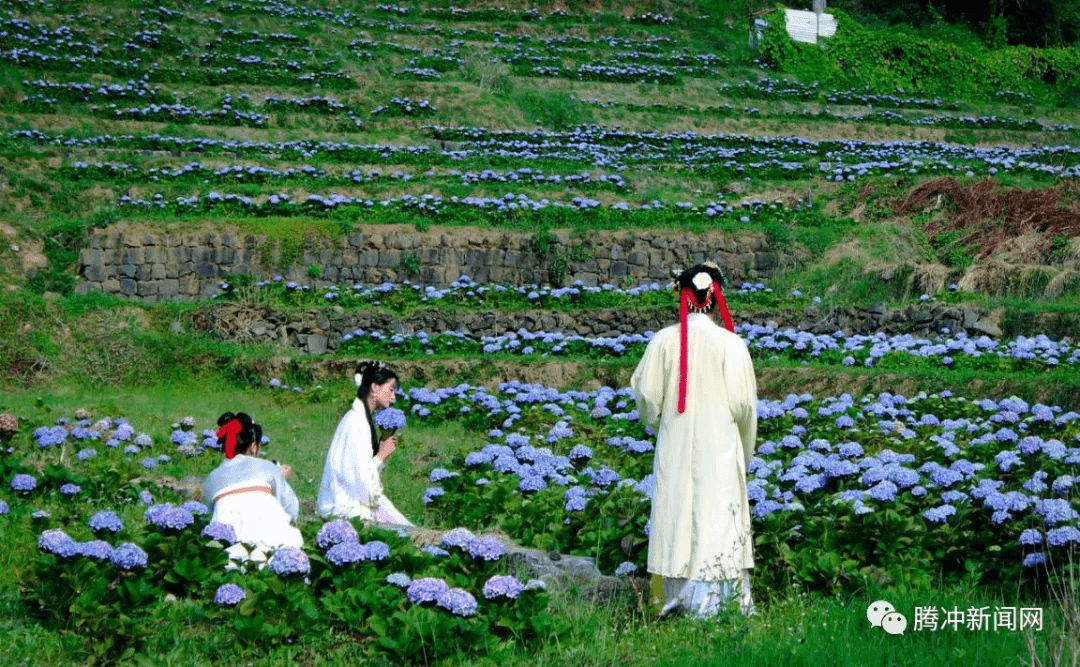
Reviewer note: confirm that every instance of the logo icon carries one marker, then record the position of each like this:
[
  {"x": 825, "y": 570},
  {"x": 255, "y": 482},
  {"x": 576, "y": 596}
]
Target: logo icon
[{"x": 882, "y": 614}]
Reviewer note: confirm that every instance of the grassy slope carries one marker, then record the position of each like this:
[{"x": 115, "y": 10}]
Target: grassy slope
[{"x": 61, "y": 352}]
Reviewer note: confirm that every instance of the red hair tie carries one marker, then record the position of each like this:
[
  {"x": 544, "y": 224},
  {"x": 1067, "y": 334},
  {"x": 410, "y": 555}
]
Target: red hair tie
[
  {"x": 229, "y": 431},
  {"x": 686, "y": 299}
]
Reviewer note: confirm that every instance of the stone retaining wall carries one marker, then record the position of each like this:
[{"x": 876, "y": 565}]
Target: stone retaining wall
[
  {"x": 319, "y": 332},
  {"x": 153, "y": 266}
]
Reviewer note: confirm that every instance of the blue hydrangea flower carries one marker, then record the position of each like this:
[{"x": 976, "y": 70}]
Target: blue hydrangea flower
[
  {"x": 457, "y": 537},
  {"x": 106, "y": 521},
  {"x": 439, "y": 474},
  {"x": 55, "y": 541},
  {"x": 70, "y": 489},
  {"x": 502, "y": 586},
  {"x": 399, "y": 579},
  {"x": 23, "y": 482},
  {"x": 222, "y": 532},
  {"x": 1030, "y": 536},
  {"x": 1031, "y": 560},
  {"x": 195, "y": 507},
  {"x": 625, "y": 569},
  {"x": 434, "y": 551},
  {"x": 128, "y": 556},
  {"x": 96, "y": 549},
  {"x": 86, "y": 454},
  {"x": 389, "y": 419},
  {"x": 229, "y": 595},
  {"x": 939, "y": 514},
  {"x": 1056, "y": 537},
  {"x": 289, "y": 560},
  {"x": 486, "y": 547},
  {"x": 168, "y": 517},
  {"x": 457, "y": 601},
  {"x": 334, "y": 532},
  {"x": 377, "y": 550},
  {"x": 433, "y": 492},
  {"x": 346, "y": 552},
  {"x": 426, "y": 589},
  {"x": 4, "y": 509}
]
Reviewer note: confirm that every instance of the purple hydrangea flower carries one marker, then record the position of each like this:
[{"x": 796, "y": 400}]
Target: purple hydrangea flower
[
  {"x": 168, "y": 517},
  {"x": 1056, "y": 537},
  {"x": 1030, "y": 536},
  {"x": 939, "y": 514},
  {"x": 502, "y": 586},
  {"x": 1031, "y": 560},
  {"x": 389, "y": 419},
  {"x": 334, "y": 532},
  {"x": 457, "y": 601},
  {"x": 195, "y": 507},
  {"x": 439, "y": 474},
  {"x": 96, "y": 549},
  {"x": 346, "y": 552},
  {"x": 106, "y": 521},
  {"x": 487, "y": 548},
  {"x": 23, "y": 482},
  {"x": 377, "y": 550},
  {"x": 289, "y": 560},
  {"x": 4, "y": 509},
  {"x": 128, "y": 556},
  {"x": 229, "y": 595},
  {"x": 426, "y": 589},
  {"x": 434, "y": 551},
  {"x": 146, "y": 497},
  {"x": 70, "y": 489},
  {"x": 222, "y": 532},
  {"x": 56, "y": 542},
  {"x": 625, "y": 569},
  {"x": 457, "y": 537},
  {"x": 86, "y": 454}
]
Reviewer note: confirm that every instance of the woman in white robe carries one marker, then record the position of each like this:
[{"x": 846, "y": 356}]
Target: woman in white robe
[
  {"x": 699, "y": 540},
  {"x": 351, "y": 486},
  {"x": 252, "y": 495}
]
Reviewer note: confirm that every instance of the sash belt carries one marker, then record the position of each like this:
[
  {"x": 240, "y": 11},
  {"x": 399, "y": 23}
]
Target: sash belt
[{"x": 244, "y": 489}]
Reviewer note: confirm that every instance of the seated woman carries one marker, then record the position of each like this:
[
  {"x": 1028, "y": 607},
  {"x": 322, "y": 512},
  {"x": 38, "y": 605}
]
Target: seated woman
[
  {"x": 350, "y": 484},
  {"x": 251, "y": 494}
]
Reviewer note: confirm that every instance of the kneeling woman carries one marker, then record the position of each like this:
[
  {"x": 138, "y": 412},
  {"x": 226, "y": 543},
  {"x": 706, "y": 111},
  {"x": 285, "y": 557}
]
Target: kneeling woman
[
  {"x": 350, "y": 484},
  {"x": 251, "y": 494}
]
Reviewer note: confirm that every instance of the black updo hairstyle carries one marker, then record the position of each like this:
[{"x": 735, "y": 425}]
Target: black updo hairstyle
[
  {"x": 686, "y": 281},
  {"x": 250, "y": 432},
  {"x": 369, "y": 373}
]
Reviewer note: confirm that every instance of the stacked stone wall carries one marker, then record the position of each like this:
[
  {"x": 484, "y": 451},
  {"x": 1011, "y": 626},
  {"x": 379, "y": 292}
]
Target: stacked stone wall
[{"x": 156, "y": 266}]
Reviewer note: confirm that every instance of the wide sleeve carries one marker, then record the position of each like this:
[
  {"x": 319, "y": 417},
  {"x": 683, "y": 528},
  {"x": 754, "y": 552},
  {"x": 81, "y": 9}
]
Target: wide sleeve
[
  {"x": 283, "y": 492},
  {"x": 742, "y": 393},
  {"x": 351, "y": 476},
  {"x": 648, "y": 383}
]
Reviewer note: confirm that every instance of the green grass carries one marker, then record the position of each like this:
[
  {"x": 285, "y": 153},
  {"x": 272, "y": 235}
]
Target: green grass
[{"x": 791, "y": 627}]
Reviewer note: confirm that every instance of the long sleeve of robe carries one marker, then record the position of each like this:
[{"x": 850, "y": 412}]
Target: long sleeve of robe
[
  {"x": 350, "y": 483},
  {"x": 251, "y": 471},
  {"x": 700, "y": 522}
]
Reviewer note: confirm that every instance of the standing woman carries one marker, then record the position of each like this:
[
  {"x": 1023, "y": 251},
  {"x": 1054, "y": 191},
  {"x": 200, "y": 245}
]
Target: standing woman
[
  {"x": 350, "y": 484},
  {"x": 251, "y": 494},
  {"x": 695, "y": 384}
]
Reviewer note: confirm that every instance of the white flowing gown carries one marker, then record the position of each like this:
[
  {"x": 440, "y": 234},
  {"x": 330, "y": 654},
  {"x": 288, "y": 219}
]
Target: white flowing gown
[
  {"x": 700, "y": 539},
  {"x": 350, "y": 483},
  {"x": 261, "y": 520}
]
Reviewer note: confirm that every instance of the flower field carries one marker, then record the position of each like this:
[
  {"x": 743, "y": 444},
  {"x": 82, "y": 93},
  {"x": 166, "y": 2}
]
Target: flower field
[{"x": 888, "y": 465}]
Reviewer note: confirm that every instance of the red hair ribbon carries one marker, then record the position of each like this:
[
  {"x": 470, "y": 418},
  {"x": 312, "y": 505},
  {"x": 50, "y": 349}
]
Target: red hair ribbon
[
  {"x": 686, "y": 298},
  {"x": 229, "y": 431}
]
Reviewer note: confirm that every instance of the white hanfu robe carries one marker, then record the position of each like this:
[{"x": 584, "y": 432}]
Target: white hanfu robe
[
  {"x": 699, "y": 539},
  {"x": 350, "y": 483},
  {"x": 261, "y": 520}
]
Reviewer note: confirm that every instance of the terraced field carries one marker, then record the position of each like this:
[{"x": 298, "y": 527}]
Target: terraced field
[{"x": 489, "y": 198}]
